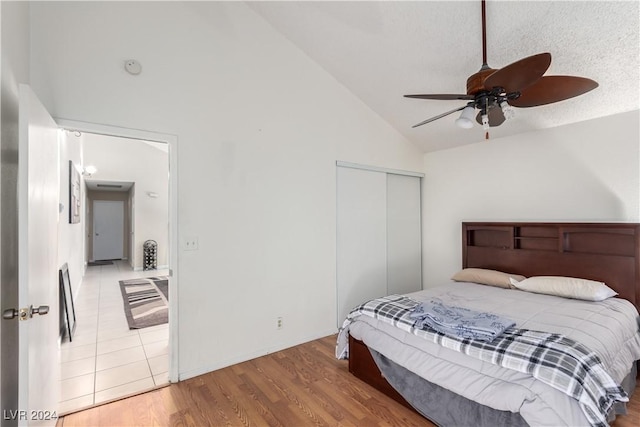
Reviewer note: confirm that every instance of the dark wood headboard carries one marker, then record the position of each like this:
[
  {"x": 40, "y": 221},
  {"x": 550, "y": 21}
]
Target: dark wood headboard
[{"x": 607, "y": 252}]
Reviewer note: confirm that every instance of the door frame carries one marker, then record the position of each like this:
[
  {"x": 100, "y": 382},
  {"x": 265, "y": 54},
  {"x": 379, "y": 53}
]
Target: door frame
[{"x": 172, "y": 142}]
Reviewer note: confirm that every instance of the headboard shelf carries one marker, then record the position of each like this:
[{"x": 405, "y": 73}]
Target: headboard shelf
[{"x": 607, "y": 252}]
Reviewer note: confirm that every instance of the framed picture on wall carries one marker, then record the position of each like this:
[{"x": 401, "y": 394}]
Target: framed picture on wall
[{"x": 74, "y": 194}]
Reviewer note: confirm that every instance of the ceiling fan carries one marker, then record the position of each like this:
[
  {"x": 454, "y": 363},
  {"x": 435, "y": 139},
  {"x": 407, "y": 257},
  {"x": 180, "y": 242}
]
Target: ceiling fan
[{"x": 520, "y": 84}]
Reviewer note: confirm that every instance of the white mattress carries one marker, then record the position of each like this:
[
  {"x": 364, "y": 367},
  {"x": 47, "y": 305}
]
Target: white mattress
[{"x": 609, "y": 328}]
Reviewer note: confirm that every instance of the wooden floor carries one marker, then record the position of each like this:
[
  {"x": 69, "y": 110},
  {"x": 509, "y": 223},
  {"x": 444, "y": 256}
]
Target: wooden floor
[{"x": 300, "y": 386}]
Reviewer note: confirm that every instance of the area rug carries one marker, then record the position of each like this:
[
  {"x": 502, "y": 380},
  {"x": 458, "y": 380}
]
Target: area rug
[{"x": 146, "y": 301}]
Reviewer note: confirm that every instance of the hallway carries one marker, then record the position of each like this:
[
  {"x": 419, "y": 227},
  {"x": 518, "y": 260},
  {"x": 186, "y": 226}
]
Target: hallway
[{"x": 106, "y": 360}]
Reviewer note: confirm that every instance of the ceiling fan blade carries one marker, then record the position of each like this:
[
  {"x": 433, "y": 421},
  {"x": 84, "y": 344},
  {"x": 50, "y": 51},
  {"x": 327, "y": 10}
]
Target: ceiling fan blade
[
  {"x": 519, "y": 75},
  {"x": 551, "y": 89},
  {"x": 443, "y": 97},
  {"x": 438, "y": 117},
  {"x": 496, "y": 117}
]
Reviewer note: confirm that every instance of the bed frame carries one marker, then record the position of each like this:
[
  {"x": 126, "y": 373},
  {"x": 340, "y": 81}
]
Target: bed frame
[{"x": 606, "y": 252}]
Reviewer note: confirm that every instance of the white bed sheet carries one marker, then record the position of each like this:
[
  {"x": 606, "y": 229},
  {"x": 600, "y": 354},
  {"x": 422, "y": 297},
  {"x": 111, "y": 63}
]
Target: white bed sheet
[{"x": 609, "y": 328}]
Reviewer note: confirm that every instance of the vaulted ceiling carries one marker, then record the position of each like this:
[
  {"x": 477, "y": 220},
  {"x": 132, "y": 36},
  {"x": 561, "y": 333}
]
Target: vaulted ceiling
[{"x": 381, "y": 50}]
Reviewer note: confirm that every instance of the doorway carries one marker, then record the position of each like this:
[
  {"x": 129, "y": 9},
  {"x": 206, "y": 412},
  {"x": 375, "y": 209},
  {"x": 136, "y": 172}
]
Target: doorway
[
  {"x": 111, "y": 236},
  {"x": 126, "y": 203}
]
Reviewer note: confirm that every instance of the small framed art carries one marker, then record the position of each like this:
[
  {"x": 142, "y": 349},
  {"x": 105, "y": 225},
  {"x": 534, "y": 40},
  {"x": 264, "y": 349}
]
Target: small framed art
[{"x": 74, "y": 194}]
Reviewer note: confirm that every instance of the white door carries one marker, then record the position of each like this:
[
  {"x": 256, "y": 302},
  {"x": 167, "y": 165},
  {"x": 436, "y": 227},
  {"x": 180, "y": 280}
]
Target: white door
[
  {"x": 38, "y": 197},
  {"x": 404, "y": 234},
  {"x": 361, "y": 238},
  {"x": 108, "y": 229}
]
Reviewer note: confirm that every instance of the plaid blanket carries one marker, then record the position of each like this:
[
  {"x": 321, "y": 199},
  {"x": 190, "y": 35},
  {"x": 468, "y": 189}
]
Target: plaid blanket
[
  {"x": 459, "y": 321},
  {"x": 551, "y": 358}
]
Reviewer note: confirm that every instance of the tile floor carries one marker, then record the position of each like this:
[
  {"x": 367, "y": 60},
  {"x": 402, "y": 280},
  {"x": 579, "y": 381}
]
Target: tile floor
[{"x": 106, "y": 359}]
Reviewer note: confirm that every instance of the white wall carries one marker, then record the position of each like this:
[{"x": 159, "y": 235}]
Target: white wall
[
  {"x": 71, "y": 236},
  {"x": 122, "y": 159},
  {"x": 14, "y": 69},
  {"x": 259, "y": 128},
  {"x": 586, "y": 171}
]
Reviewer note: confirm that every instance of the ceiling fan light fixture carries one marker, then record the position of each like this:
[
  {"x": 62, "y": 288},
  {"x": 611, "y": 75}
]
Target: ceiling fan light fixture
[
  {"x": 508, "y": 111},
  {"x": 496, "y": 91},
  {"x": 465, "y": 120},
  {"x": 485, "y": 121}
]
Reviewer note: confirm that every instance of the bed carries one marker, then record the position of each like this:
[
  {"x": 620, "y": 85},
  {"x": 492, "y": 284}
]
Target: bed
[{"x": 452, "y": 389}]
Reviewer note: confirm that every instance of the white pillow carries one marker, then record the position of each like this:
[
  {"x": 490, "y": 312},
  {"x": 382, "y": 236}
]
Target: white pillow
[{"x": 567, "y": 287}]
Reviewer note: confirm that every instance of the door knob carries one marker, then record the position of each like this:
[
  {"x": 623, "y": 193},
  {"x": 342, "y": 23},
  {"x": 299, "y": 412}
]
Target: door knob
[
  {"x": 10, "y": 313},
  {"x": 25, "y": 313},
  {"x": 42, "y": 310}
]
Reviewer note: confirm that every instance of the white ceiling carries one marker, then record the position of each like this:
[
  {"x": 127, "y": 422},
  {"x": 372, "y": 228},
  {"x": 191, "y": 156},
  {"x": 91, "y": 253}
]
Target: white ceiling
[{"x": 383, "y": 50}]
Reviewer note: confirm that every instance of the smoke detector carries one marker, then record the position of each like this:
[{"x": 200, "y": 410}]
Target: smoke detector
[{"x": 133, "y": 67}]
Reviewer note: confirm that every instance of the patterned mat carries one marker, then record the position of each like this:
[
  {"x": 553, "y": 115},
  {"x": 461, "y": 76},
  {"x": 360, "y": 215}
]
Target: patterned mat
[
  {"x": 96, "y": 263},
  {"x": 146, "y": 301}
]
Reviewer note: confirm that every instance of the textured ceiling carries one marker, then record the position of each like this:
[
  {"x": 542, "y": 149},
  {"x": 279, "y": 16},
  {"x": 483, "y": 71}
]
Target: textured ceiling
[{"x": 383, "y": 50}]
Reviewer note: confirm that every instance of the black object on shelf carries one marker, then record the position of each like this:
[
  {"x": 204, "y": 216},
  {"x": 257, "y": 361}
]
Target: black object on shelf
[{"x": 150, "y": 248}]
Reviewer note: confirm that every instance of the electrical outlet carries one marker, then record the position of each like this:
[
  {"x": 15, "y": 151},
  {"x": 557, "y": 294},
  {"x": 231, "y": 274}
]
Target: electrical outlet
[
  {"x": 190, "y": 243},
  {"x": 279, "y": 322}
]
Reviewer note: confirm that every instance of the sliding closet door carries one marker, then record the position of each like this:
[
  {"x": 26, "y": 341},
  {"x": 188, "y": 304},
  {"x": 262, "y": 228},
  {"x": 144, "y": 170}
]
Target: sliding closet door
[
  {"x": 361, "y": 238},
  {"x": 379, "y": 249},
  {"x": 404, "y": 237}
]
